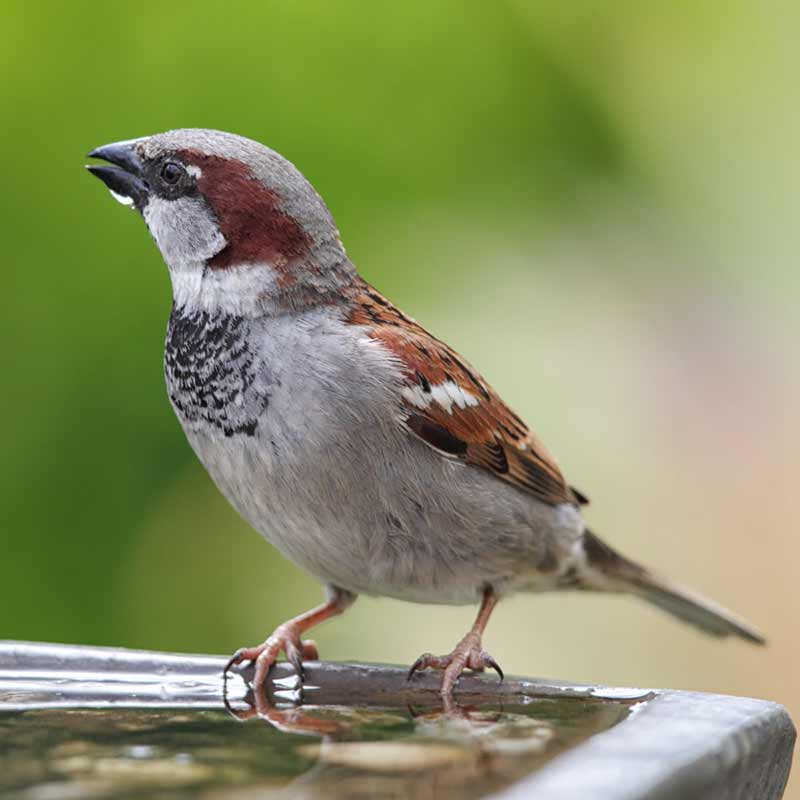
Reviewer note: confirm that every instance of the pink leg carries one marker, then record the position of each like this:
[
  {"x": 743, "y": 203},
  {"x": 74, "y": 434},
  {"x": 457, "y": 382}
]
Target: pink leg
[
  {"x": 467, "y": 654},
  {"x": 287, "y": 637}
]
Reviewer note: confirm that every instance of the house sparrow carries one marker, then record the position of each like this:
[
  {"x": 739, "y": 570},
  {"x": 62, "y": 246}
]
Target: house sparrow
[{"x": 363, "y": 447}]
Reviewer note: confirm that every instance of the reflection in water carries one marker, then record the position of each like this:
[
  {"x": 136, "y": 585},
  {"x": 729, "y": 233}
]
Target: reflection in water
[{"x": 280, "y": 752}]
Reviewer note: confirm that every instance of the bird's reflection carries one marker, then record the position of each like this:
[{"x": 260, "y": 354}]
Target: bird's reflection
[
  {"x": 421, "y": 749},
  {"x": 287, "y": 718}
]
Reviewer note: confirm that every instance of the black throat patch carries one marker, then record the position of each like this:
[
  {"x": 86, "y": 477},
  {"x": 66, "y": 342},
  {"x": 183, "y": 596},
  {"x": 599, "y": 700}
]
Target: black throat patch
[{"x": 210, "y": 372}]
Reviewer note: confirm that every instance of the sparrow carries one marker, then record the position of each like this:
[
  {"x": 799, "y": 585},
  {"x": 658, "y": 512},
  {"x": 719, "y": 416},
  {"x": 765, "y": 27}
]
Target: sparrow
[{"x": 365, "y": 449}]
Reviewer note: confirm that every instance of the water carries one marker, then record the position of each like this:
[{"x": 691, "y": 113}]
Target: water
[{"x": 100, "y": 734}]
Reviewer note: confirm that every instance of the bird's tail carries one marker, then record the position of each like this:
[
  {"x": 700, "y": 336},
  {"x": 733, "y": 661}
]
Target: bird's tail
[{"x": 607, "y": 570}]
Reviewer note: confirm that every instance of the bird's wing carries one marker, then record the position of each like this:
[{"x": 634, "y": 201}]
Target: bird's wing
[{"x": 448, "y": 405}]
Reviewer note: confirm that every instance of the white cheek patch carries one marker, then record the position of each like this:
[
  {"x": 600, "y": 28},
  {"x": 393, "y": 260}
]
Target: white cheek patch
[
  {"x": 122, "y": 198},
  {"x": 446, "y": 394},
  {"x": 184, "y": 230}
]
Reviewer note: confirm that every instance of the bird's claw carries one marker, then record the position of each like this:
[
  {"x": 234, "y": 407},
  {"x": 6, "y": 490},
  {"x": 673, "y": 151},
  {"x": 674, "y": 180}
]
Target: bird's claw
[
  {"x": 467, "y": 654},
  {"x": 286, "y": 639}
]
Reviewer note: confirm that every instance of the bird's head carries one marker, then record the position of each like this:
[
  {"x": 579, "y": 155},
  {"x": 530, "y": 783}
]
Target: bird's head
[{"x": 238, "y": 225}]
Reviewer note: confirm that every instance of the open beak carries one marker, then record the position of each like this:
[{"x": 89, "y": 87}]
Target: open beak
[{"x": 125, "y": 179}]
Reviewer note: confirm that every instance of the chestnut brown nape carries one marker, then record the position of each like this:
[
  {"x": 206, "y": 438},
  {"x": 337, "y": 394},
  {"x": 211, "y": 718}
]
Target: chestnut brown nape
[{"x": 250, "y": 216}]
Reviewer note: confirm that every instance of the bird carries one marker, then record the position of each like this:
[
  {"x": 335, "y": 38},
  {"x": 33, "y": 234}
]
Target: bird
[{"x": 365, "y": 449}]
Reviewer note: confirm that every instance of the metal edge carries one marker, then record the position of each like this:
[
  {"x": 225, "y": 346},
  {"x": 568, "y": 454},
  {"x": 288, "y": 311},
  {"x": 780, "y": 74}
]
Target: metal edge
[{"x": 678, "y": 746}]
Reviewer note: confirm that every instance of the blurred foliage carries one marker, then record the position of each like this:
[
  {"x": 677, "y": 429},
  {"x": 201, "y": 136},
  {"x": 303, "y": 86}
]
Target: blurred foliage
[
  {"x": 387, "y": 111},
  {"x": 603, "y": 192}
]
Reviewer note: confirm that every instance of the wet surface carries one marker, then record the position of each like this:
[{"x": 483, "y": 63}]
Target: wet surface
[
  {"x": 319, "y": 752},
  {"x": 100, "y": 734}
]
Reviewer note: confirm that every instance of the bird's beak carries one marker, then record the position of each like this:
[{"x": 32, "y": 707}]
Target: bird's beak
[{"x": 125, "y": 179}]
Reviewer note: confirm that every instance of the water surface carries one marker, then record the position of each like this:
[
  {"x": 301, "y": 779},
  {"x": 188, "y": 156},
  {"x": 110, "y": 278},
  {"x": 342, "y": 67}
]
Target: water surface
[{"x": 124, "y": 726}]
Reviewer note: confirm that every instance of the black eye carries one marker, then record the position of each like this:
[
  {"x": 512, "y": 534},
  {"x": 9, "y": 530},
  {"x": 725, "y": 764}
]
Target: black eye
[{"x": 171, "y": 172}]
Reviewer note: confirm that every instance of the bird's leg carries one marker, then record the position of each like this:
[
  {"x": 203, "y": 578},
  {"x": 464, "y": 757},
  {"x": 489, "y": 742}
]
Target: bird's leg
[
  {"x": 287, "y": 637},
  {"x": 467, "y": 654}
]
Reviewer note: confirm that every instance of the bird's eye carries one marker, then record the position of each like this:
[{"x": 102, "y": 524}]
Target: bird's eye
[{"x": 171, "y": 172}]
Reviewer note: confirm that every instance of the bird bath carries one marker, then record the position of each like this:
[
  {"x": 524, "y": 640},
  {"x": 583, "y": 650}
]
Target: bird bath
[{"x": 96, "y": 722}]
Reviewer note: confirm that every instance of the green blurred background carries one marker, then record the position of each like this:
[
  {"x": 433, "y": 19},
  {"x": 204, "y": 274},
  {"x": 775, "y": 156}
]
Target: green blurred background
[{"x": 596, "y": 202}]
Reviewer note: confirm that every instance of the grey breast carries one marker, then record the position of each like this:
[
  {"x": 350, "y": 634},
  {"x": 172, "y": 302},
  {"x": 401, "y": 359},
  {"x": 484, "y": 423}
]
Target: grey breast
[{"x": 296, "y": 420}]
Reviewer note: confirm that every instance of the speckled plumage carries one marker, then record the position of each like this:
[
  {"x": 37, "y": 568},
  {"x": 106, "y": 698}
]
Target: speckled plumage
[{"x": 213, "y": 377}]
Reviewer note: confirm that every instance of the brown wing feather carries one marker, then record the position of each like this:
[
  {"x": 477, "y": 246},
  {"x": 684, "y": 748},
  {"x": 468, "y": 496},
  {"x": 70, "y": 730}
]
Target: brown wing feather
[{"x": 482, "y": 430}]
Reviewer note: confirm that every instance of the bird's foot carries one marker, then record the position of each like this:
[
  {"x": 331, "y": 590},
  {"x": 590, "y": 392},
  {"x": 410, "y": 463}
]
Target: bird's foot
[
  {"x": 467, "y": 654},
  {"x": 285, "y": 638}
]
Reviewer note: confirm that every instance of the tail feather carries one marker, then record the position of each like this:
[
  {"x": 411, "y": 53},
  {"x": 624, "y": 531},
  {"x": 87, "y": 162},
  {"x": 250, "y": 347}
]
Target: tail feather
[{"x": 611, "y": 571}]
